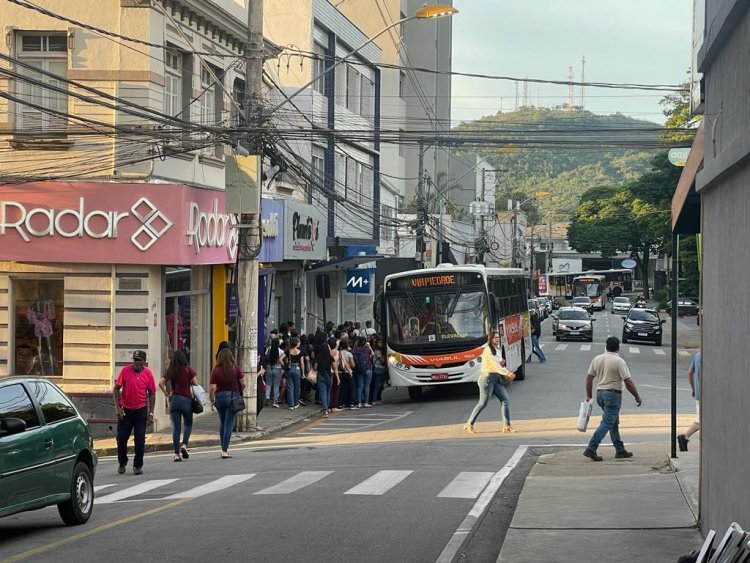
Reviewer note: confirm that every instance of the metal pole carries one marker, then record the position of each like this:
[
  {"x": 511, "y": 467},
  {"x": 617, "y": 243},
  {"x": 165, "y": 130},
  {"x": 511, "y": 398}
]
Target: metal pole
[
  {"x": 421, "y": 208},
  {"x": 513, "y": 241},
  {"x": 481, "y": 209},
  {"x": 250, "y": 234},
  {"x": 673, "y": 385}
]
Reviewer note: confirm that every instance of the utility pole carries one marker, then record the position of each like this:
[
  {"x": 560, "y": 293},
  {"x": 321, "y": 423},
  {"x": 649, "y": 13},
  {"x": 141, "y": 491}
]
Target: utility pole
[
  {"x": 250, "y": 241},
  {"x": 421, "y": 211},
  {"x": 513, "y": 241}
]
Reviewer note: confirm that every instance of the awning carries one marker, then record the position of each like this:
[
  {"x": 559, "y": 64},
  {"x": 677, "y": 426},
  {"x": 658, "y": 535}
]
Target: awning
[
  {"x": 686, "y": 202},
  {"x": 337, "y": 264}
]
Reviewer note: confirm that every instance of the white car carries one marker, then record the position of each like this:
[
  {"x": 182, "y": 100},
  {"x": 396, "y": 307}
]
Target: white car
[{"x": 622, "y": 305}]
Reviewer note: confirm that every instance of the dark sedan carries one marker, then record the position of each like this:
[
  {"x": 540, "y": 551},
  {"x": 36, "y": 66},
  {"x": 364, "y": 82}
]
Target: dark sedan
[
  {"x": 642, "y": 324},
  {"x": 685, "y": 306},
  {"x": 573, "y": 323}
]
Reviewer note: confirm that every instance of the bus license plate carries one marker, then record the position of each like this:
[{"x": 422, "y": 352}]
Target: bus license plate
[{"x": 439, "y": 377}]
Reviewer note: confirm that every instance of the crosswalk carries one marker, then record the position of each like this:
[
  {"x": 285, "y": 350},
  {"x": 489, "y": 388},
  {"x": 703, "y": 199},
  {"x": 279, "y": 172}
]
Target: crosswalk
[
  {"x": 628, "y": 349},
  {"x": 465, "y": 485},
  {"x": 352, "y": 421}
]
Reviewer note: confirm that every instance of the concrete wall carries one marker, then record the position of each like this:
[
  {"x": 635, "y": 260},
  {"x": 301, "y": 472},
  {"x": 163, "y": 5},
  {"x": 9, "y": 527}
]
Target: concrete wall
[{"x": 723, "y": 185}]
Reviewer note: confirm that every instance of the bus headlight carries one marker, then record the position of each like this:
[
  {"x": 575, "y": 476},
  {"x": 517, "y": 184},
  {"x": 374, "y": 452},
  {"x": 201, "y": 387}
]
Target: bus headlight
[{"x": 392, "y": 360}]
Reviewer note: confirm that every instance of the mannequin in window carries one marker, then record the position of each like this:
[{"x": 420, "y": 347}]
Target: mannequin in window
[{"x": 41, "y": 314}]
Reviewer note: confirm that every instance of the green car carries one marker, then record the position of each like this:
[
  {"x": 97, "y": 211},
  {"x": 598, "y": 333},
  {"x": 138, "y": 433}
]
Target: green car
[{"x": 46, "y": 451}]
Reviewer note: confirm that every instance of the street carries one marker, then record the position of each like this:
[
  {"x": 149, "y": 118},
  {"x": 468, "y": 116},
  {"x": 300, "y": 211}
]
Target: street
[{"x": 395, "y": 482}]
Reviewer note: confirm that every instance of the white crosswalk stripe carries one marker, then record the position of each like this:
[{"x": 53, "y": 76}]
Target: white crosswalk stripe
[
  {"x": 216, "y": 485},
  {"x": 634, "y": 350},
  {"x": 295, "y": 483},
  {"x": 684, "y": 353},
  {"x": 585, "y": 347},
  {"x": 561, "y": 347},
  {"x": 351, "y": 421},
  {"x": 380, "y": 483},
  {"x": 133, "y": 491},
  {"x": 467, "y": 484},
  {"x": 659, "y": 352}
]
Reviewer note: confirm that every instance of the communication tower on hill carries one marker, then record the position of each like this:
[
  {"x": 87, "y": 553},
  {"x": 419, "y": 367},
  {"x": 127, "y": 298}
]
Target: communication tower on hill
[
  {"x": 571, "y": 77},
  {"x": 583, "y": 79}
]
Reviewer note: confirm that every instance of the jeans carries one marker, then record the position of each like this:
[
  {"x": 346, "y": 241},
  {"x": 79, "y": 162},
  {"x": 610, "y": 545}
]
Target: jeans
[
  {"x": 346, "y": 392},
  {"x": 133, "y": 421},
  {"x": 376, "y": 387},
  {"x": 535, "y": 349},
  {"x": 610, "y": 403},
  {"x": 273, "y": 380},
  {"x": 492, "y": 385},
  {"x": 324, "y": 388},
  {"x": 363, "y": 387},
  {"x": 181, "y": 408},
  {"x": 226, "y": 417},
  {"x": 293, "y": 381}
]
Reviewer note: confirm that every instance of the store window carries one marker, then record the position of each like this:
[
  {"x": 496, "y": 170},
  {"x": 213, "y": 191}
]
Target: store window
[{"x": 38, "y": 312}]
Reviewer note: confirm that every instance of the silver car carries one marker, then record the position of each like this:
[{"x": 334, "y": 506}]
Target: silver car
[{"x": 622, "y": 305}]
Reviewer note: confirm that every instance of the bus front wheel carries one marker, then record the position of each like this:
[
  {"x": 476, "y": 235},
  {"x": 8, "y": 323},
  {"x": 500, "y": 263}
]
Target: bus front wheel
[{"x": 415, "y": 393}]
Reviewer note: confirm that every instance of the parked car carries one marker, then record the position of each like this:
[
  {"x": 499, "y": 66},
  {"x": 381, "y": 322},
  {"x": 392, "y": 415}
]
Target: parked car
[
  {"x": 534, "y": 306},
  {"x": 584, "y": 303},
  {"x": 621, "y": 305},
  {"x": 46, "y": 451},
  {"x": 642, "y": 324},
  {"x": 685, "y": 306},
  {"x": 573, "y": 323}
]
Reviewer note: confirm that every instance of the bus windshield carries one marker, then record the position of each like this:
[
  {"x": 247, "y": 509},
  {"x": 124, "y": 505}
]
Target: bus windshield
[
  {"x": 587, "y": 289},
  {"x": 457, "y": 316}
]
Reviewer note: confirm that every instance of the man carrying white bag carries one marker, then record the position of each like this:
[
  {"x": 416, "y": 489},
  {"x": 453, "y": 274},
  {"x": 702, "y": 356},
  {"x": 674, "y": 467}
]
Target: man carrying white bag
[{"x": 584, "y": 414}]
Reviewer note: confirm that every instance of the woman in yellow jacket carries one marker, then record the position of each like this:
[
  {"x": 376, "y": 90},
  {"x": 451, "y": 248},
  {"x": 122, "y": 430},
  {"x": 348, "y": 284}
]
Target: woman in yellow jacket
[{"x": 493, "y": 379}]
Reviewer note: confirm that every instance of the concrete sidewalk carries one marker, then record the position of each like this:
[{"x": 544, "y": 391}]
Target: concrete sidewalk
[{"x": 617, "y": 510}]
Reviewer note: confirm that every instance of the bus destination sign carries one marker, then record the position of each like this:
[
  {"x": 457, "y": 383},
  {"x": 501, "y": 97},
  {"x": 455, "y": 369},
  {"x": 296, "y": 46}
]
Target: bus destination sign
[
  {"x": 434, "y": 281},
  {"x": 437, "y": 281}
]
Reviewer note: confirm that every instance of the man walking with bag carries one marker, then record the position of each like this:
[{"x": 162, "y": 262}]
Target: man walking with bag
[
  {"x": 611, "y": 373},
  {"x": 135, "y": 396}
]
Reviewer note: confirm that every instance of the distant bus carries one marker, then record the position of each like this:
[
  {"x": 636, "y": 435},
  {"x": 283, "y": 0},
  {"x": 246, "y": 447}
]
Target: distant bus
[
  {"x": 561, "y": 284},
  {"x": 591, "y": 287},
  {"x": 436, "y": 322}
]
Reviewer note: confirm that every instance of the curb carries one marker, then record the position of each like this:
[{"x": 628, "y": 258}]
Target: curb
[{"x": 107, "y": 451}]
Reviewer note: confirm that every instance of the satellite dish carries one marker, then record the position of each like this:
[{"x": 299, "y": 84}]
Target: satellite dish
[{"x": 628, "y": 263}]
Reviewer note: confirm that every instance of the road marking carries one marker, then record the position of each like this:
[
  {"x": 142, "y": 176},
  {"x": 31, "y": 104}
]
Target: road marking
[
  {"x": 585, "y": 347},
  {"x": 467, "y": 484},
  {"x": 659, "y": 352},
  {"x": 458, "y": 537},
  {"x": 133, "y": 491},
  {"x": 380, "y": 483},
  {"x": 634, "y": 350},
  {"x": 684, "y": 353},
  {"x": 299, "y": 481},
  {"x": 213, "y": 486},
  {"x": 98, "y": 488},
  {"x": 561, "y": 347},
  {"x": 87, "y": 533}
]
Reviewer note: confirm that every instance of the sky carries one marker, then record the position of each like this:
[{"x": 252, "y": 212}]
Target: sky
[{"x": 635, "y": 41}]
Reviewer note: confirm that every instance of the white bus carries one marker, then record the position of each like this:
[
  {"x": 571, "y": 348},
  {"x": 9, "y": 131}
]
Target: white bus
[
  {"x": 436, "y": 322},
  {"x": 591, "y": 287}
]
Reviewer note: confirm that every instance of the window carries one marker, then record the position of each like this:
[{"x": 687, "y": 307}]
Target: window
[
  {"x": 402, "y": 85},
  {"x": 401, "y": 142},
  {"x": 387, "y": 228},
  {"x": 238, "y": 95},
  {"x": 353, "y": 86},
  {"x": 367, "y": 103},
  {"x": 38, "y": 310},
  {"x": 47, "y": 55},
  {"x": 318, "y": 164},
  {"x": 208, "y": 97},
  {"x": 341, "y": 174},
  {"x": 172, "y": 83},
  {"x": 340, "y": 84},
  {"x": 319, "y": 67},
  {"x": 15, "y": 403},
  {"x": 55, "y": 405}
]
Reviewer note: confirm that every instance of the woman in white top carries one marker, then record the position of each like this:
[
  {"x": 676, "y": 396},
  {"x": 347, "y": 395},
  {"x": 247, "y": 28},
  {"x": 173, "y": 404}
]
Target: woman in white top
[{"x": 493, "y": 379}]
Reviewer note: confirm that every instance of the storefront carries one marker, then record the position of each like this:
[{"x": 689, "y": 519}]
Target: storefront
[{"x": 90, "y": 272}]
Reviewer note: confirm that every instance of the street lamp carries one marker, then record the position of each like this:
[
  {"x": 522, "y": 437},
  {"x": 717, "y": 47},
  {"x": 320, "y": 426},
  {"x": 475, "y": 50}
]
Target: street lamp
[{"x": 431, "y": 11}]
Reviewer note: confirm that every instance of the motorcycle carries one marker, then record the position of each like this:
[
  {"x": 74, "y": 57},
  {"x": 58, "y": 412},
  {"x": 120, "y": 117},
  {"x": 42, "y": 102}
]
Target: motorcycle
[{"x": 641, "y": 303}]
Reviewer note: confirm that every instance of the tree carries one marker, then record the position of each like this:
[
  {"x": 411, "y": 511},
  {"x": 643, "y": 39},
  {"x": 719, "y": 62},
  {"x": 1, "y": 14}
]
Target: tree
[{"x": 677, "y": 111}]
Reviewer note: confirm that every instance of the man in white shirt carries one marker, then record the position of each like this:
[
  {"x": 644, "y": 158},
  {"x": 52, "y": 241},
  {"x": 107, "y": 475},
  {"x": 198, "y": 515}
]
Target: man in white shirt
[
  {"x": 611, "y": 374},
  {"x": 369, "y": 331}
]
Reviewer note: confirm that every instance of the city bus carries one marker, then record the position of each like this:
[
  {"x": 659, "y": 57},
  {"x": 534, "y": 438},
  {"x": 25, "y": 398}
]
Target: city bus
[
  {"x": 591, "y": 287},
  {"x": 560, "y": 284},
  {"x": 436, "y": 322}
]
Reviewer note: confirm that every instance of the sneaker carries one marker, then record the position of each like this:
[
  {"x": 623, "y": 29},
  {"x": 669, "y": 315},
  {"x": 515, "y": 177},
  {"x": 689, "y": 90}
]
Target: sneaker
[
  {"x": 353, "y": 408},
  {"x": 623, "y": 454},
  {"x": 137, "y": 471},
  {"x": 301, "y": 402},
  {"x": 682, "y": 441},
  {"x": 121, "y": 469},
  {"x": 592, "y": 455},
  {"x": 276, "y": 405}
]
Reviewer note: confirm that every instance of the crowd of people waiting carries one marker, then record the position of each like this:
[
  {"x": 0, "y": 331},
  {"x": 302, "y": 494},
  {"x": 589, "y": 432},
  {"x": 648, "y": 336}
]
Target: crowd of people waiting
[{"x": 345, "y": 365}]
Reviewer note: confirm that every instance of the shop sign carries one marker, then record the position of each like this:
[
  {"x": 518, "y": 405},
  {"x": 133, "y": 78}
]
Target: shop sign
[
  {"x": 272, "y": 219},
  {"x": 115, "y": 223},
  {"x": 305, "y": 231}
]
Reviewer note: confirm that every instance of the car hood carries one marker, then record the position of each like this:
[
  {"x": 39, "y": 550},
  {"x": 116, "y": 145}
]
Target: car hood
[{"x": 643, "y": 323}]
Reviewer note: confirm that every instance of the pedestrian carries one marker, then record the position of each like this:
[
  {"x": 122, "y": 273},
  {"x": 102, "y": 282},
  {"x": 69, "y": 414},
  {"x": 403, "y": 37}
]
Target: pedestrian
[
  {"x": 494, "y": 379},
  {"x": 346, "y": 365},
  {"x": 369, "y": 331},
  {"x": 324, "y": 365},
  {"x": 274, "y": 359},
  {"x": 336, "y": 382},
  {"x": 536, "y": 332},
  {"x": 176, "y": 384},
  {"x": 378, "y": 371},
  {"x": 610, "y": 372},
  {"x": 296, "y": 361},
  {"x": 135, "y": 394},
  {"x": 226, "y": 380},
  {"x": 362, "y": 372},
  {"x": 694, "y": 379}
]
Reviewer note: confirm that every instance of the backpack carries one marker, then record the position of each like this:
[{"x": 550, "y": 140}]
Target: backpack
[{"x": 360, "y": 360}]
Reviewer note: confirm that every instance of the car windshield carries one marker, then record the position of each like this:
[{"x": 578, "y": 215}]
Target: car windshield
[
  {"x": 573, "y": 316},
  {"x": 622, "y": 300},
  {"x": 642, "y": 315}
]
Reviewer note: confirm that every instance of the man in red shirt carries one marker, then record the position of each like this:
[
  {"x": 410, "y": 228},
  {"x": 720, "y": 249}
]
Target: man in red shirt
[{"x": 135, "y": 396}]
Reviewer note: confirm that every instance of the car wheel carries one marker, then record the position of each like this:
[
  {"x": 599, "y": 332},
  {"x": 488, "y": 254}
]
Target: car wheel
[
  {"x": 77, "y": 509},
  {"x": 624, "y": 339},
  {"x": 557, "y": 337},
  {"x": 415, "y": 393}
]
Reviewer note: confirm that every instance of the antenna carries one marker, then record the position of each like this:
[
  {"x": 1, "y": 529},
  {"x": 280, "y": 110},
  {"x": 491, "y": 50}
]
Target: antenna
[
  {"x": 571, "y": 77},
  {"x": 526, "y": 91},
  {"x": 583, "y": 79}
]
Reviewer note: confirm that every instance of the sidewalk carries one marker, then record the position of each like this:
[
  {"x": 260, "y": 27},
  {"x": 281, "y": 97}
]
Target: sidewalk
[
  {"x": 206, "y": 429},
  {"x": 640, "y": 509}
]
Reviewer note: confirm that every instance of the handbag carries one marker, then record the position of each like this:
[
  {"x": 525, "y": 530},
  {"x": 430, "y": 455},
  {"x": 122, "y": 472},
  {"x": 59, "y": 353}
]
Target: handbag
[
  {"x": 312, "y": 376},
  {"x": 584, "y": 413},
  {"x": 196, "y": 404},
  {"x": 237, "y": 404}
]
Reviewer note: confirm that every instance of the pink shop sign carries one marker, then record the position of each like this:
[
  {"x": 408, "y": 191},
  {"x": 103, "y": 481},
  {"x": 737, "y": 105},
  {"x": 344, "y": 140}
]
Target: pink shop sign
[{"x": 113, "y": 223}]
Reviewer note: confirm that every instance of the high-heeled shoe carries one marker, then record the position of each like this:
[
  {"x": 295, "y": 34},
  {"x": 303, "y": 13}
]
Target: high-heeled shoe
[
  {"x": 469, "y": 428},
  {"x": 509, "y": 429}
]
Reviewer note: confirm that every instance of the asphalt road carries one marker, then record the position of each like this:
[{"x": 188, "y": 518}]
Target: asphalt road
[{"x": 398, "y": 482}]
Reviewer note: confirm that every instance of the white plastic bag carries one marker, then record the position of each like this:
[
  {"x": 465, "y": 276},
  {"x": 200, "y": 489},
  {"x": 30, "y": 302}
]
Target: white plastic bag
[
  {"x": 584, "y": 413},
  {"x": 200, "y": 394}
]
